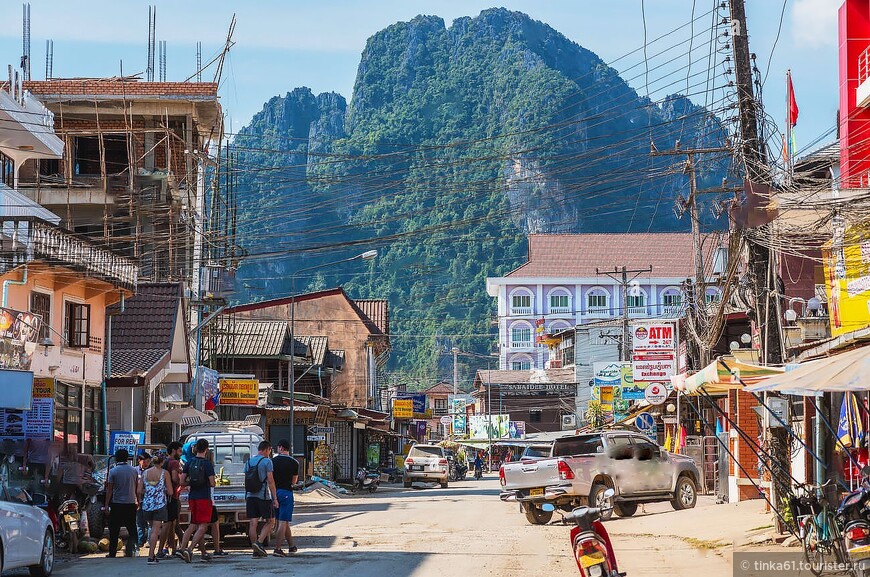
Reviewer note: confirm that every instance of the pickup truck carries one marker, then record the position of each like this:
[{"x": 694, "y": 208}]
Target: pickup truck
[
  {"x": 582, "y": 467},
  {"x": 231, "y": 444}
]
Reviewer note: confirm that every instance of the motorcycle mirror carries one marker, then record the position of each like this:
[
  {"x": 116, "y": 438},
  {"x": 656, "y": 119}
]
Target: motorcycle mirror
[
  {"x": 609, "y": 493},
  {"x": 548, "y": 507}
]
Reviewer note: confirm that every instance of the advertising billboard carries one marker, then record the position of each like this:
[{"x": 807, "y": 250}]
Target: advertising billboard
[
  {"x": 403, "y": 408},
  {"x": 489, "y": 426},
  {"x": 846, "y": 261},
  {"x": 239, "y": 392},
  {"x": 19, "y": 332}
]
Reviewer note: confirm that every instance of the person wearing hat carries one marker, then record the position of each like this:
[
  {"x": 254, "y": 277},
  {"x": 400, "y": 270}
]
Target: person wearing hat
[{"x": 121, "y": 502}]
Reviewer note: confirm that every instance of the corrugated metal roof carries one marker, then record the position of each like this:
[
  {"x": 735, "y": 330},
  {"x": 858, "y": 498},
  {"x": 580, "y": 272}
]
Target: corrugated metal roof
[
  {"x": 378, "y": 311},
  {"x": 556, "y": 376},
  {"x": 250, "y": 338},
  {"x": 316, "y": 350}
]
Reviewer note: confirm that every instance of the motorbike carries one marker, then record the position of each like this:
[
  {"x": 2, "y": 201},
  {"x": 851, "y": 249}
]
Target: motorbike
[
  {"x": 854, "y": 514},
  {"x": 590, "y": 542},
  {"x": 366, "y": 480},
  {"x": 460, "y": 470},
  {"x": 69, "y": 525}
]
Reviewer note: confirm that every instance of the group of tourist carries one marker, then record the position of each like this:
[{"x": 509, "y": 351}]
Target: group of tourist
[{"x": 145, "y": 499}]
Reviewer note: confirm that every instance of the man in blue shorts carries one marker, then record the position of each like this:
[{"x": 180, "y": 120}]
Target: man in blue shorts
[{"x": 286, "y": 473}]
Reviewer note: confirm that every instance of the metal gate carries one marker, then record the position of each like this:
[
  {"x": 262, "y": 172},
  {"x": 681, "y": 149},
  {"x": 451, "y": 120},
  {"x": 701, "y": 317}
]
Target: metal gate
[{"x": 343, "y": 444}]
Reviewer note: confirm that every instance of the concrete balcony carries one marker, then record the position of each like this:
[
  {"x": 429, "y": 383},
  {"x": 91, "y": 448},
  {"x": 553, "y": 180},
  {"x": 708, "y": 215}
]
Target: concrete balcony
[
  {"x": 521, "y": 345},
  {"x": 28, "y": 239},
  {"x": 638, "y": 312},
  {"x": 521, "y": 311},
  {"x": 559, "y": 310}
]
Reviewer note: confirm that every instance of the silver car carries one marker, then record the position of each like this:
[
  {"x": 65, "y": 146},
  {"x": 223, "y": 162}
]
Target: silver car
[{"x": 426, "y": 463}]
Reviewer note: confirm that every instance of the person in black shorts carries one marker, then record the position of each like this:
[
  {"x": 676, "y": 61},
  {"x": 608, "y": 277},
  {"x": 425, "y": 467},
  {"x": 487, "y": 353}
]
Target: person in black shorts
[{"x": 260, "y": 504}]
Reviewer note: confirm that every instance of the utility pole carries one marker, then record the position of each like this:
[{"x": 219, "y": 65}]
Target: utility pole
[
  {"x": 455, "y": 351},
  {"x": 756, "y": 171},
  {"x": 765, "y": 297},
  {"x": 620, "y": 275},
  {"x": 700, "y": 285}
]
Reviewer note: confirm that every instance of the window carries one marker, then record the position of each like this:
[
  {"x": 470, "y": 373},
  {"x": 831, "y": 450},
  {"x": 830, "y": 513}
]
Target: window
[
  {"x": 559, "y": 303},
  {"x": 521, "y": 336},
  {"x": 635, "y": 301},
  {"x": 580, "y": 445},
  {"x": 93, "y": 421},
  {"x": 521, "y": 365},
  {"x": 7, "y": 170},
  {"x": 672, "y": 298},
  {"x": 78, "y": 324},
  {"x": 87, "y": 154},
  {"x": 596, "y": 301},
  {"x": 521, "y": 301},
  {"x": 713, "y": 296},
  {"x": 40, "y": 304},
  {"x": 535, "y": 415},
  {"x": 68, "y": 414}
]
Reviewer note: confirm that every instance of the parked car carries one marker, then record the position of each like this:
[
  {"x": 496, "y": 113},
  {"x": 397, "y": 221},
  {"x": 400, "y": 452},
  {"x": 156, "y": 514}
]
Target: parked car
[
  {"x": 26, "y": 533},
  {"x": 426, "y": 463},
  {"x": 583, "y": 467}
]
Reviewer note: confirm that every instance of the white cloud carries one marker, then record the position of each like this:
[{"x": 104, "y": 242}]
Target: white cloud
[{"x": 814, "y": 22}]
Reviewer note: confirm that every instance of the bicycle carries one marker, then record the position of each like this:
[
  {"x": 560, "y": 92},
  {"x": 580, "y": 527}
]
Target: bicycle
[{"x": 817, "y": 527}]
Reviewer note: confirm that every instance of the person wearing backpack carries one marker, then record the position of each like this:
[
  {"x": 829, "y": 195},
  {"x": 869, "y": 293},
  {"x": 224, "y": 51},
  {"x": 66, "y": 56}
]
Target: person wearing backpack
[
  {"x": 198, "y": 474},
  {"x": 260, "y": 496}
]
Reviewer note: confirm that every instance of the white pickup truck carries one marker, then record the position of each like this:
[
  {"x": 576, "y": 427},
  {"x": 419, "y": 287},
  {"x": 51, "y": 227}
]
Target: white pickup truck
[
  {"x": 231, "y": 444},
  {"x": 582, "y": 467}
]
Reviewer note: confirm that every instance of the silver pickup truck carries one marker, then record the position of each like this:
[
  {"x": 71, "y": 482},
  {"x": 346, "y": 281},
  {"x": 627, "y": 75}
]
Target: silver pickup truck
[{"x": 582, "y": 467}]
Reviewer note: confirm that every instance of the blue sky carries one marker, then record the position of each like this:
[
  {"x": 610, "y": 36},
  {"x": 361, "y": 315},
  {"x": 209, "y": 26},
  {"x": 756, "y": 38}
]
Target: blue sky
[{"x": 283, "y": 44}]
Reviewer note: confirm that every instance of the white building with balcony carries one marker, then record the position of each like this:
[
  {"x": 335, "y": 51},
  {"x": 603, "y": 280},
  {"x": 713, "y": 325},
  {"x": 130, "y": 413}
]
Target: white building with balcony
[{"x": 563, "y": 284}]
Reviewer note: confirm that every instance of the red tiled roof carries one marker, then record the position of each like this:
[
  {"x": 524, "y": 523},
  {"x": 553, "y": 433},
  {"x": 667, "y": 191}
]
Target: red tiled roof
[{"x": 578, "y": 255}]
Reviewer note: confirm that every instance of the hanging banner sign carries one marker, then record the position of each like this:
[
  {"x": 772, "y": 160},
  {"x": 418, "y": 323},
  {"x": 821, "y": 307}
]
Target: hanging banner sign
[
  {"x": 18, "y": 335},
  {"x": 239, "y": 392},
  {"x": 126, "y": 440},
  {"x": 654, "y": 336},
  {"x": 652, "y": 367},
  {"x": 403, "y": 408},
  {"x": 655, "y": 393}
]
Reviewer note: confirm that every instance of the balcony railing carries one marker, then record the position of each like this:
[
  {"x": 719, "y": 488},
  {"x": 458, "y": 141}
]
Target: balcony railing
[
  {"x": 559, "y": 310},
  {"x": 637, "y": 311},
  {"x": 864, "y": 65},
  {"x": 598, "y": 312},
  {"x": 521, "y": 310},
  {"x": 521, "y": 344},
  {"x": 32, "y": 239}
]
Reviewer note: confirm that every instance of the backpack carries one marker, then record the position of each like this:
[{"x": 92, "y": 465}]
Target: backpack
[
  {"x": 253, "y": 482},
  {"x": 196, "y": 472}
]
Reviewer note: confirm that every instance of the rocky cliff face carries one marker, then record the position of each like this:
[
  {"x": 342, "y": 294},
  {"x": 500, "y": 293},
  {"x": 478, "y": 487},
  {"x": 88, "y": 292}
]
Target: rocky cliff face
[{"x": 457, "y": 143}]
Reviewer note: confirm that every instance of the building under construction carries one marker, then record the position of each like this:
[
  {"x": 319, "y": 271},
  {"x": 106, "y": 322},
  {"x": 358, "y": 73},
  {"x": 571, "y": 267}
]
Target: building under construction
[{"x": 135, "y": 172}]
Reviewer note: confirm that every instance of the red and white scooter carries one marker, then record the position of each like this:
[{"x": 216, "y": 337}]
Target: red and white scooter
[{"x": 590, "y": 541}]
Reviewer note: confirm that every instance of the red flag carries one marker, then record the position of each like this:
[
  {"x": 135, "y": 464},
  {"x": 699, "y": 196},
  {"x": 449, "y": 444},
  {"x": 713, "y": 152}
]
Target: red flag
[{"x": 792, "y": 103}]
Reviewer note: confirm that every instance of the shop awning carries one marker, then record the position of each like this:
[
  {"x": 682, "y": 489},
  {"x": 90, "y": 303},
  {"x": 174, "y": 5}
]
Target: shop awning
[
  {"x": 839, "y": 373},
  {"x": 723, "y": 375}
]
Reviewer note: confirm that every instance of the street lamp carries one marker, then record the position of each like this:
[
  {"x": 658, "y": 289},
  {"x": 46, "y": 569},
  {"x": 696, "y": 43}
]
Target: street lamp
[{"x": 367, "y": 255}]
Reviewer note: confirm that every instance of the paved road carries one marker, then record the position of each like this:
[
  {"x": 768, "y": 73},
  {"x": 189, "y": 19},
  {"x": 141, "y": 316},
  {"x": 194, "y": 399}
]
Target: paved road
[{"x": 434, "y": 533}]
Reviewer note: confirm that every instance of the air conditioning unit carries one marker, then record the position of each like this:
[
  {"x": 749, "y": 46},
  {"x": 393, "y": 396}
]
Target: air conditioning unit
[{"x": 569, "y": 421}]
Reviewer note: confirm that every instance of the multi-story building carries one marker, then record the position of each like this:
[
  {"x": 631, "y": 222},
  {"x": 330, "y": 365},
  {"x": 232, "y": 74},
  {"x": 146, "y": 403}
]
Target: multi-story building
[
  {"x": 133, "y": 171},
  {"x": 563, "y": 284},
  {"x": 56, "y": 285}
]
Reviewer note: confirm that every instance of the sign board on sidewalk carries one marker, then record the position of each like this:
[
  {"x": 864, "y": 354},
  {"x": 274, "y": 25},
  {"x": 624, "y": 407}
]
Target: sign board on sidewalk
[
  {"x": 446, "y": 420},
  {"x": 655, "y": 393},
  {"x": 126, "y": 440},
  {"x": 315, "y": 438},
  {"x": 35, "y": 423},
  {"x": 239, "y": 392}
]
